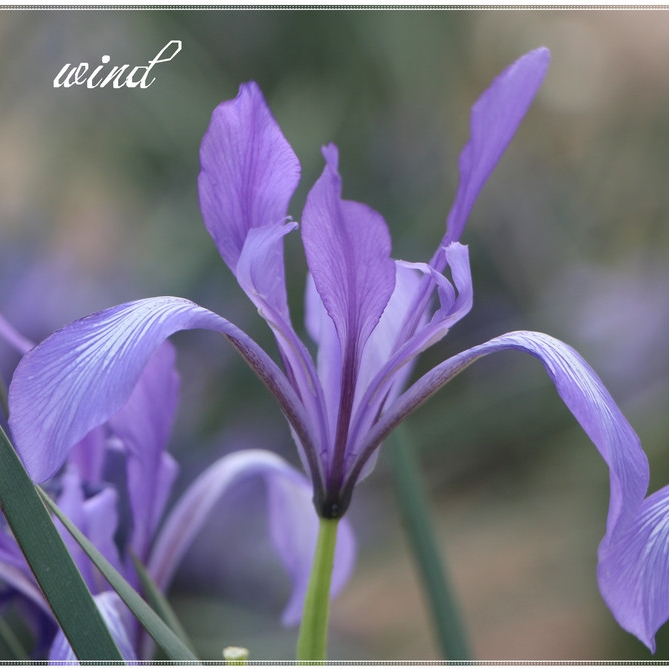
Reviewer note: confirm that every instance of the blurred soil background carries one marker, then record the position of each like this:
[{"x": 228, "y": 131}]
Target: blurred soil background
[{"x": 98, "y": 205}]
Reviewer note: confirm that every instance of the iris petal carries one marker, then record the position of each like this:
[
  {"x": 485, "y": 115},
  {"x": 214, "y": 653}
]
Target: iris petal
[
  {"x": 248, "y": 172},
  {"x": 144, "y": 425},
  {"x": 632, "y": 573},
  {"x": 495, "y": 118},
  {"x": 293, "y": 521},
  {"x": 582, "y": 392},
  {"x": 347, "y": 246},
  {"x": 81, "y": 375}
]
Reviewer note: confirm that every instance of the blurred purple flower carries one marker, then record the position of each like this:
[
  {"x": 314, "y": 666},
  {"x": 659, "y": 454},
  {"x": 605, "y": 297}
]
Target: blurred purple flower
[
  {"x": 370, "y": 316},
  {"x": 140, "y": 430}
]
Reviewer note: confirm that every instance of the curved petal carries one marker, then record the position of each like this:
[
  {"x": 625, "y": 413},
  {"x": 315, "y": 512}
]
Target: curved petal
[
  {"x": 293, "y": 521},
  {"x": 582, "y": 392},
  {"x": 495, "y": 118},
  {"x": 81, "y": 375},
  {"x": 347, "y": 246},
  {"x": 248, "y": 173},
  {"x": 633, "y": 570},
  {"x": 112, "y": 609}
]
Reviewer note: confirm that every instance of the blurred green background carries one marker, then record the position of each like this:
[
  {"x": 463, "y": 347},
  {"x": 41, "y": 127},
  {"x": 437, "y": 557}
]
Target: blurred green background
[{"x": 98, "y": 205}]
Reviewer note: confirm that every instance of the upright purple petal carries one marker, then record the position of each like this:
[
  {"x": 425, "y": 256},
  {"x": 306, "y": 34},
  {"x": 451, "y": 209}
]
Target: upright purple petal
[
  {"x": 83, "y": 374},
  {"x": 347, "y": 246},
  {"x": 633, "y": 570},
  {"x": 248, "y": 173},
  {"x": 263, "y": 283},
  {"x": 582, "y": 392},
  {"x": 144, "y": 425},
  {"x": 494, "y": 120},
  {"x": 293, "y": 521}
]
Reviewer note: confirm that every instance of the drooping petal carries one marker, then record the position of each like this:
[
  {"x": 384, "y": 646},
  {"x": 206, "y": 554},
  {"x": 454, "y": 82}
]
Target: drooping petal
[
  {"x": 633, "y": 570},
  {"x": 582, "y": 392},
  {"x": 112, "y": 610},
  {"x": 347, "y": 246},
  {"x": 144, "y": 425},
  {"x": 248, "y": 173},
  {"x": 81, "y": 375},
  {"x": 294, "y": 530},
  {"x": 293, "y": 521},
  {"x": 495, "y": 118}
]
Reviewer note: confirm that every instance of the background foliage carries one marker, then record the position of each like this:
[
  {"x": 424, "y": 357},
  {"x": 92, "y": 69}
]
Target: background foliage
[{"x": 98, "y": 205}]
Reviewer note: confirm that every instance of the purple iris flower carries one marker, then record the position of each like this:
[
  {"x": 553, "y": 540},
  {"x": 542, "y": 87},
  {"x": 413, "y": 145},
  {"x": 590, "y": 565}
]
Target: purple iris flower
[
  {"x": 370, "y": 317},
  {"x": 140, "y": 432}
]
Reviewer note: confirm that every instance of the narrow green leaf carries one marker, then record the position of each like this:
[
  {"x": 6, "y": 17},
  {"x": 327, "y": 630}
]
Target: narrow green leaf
[
  {"x": 4, "y": 402},
  {"x": 12, "y": 643},
  {"x": 159, "y": 603},
  {"x": 418, "y": 523},
  {"x": 150, "y": 620},
  {"x": 53, "y": 567}
]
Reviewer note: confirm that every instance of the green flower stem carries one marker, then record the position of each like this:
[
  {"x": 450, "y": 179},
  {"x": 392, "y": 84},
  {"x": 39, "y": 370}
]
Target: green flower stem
[
  {"x": 414, "y": 508},
  {"x": 312, "y": 641},
  {"x": 54, "y": 569}
]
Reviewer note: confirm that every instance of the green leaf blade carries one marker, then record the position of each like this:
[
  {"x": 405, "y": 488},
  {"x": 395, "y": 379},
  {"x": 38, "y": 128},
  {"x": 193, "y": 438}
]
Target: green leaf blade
[{"x": 55, "y": 571}]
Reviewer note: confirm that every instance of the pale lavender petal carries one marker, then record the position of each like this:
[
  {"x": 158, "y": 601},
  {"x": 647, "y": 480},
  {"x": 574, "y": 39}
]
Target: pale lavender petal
[
  {"x": 293, "y": 521},
  {"x": 347, "y": 246},
  {"x": 259, "y": 269},
  {"x": 390, "y": 376},
  {"x": 294, "y": 530},
  {"x": 582, "y": 392},
  {"x": 83, "y": 374},
  {"x": 97, "y": 518},
  {"x": 256, "y": 275},
  {"x": 248, "y": 173},
  {"x": 144, "y": 425},
  {"x": 495, "y": 118},
  {"x": 114, "y": 614},
  {"x": 633, "y": 570}
]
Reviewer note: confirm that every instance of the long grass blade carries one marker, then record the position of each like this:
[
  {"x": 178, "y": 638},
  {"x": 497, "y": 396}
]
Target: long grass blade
[
  {"x": 53, "y": 567},
  {"x": 414, "y": 507},
  {"x": 174, "y": 648}
]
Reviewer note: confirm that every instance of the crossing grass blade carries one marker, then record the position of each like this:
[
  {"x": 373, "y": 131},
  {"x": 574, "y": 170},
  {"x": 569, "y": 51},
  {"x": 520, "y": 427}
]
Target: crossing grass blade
[
  {"x": 53, "y": 567},
  {"x": 174, "y": 648},
  {"x": 159, "y": 602},
  {"x": 414, "y": 508}
]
